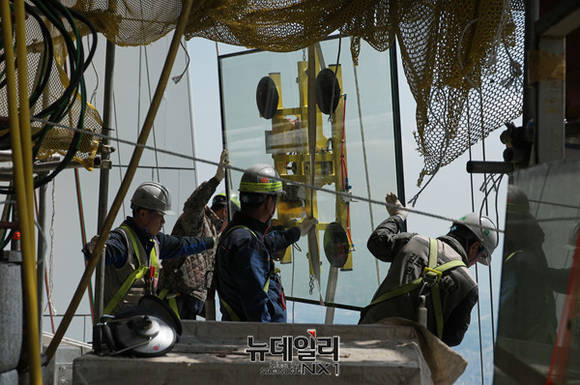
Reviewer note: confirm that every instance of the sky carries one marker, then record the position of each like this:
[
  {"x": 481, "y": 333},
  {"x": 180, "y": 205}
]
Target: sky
[{"x": 447, "y": 195}]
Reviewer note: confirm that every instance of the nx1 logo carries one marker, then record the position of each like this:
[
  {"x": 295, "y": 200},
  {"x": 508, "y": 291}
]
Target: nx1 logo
[{"x": 299, "y": 354}]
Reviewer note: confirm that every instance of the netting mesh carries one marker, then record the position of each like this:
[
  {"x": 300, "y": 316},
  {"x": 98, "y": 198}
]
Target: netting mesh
[
  {"x": 57, "y": 140},
  {"x": 462, "y": 58}
]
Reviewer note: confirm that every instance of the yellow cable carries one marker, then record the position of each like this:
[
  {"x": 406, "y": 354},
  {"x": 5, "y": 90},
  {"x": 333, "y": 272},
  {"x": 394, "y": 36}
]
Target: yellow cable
[
  {"x": 28, "y": 263},
  {"x": 22, "y": 63}
]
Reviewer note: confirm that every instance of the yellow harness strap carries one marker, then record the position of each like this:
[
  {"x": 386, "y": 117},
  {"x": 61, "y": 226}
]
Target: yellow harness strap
[
  {"x": 139, "y": 273},
  {"x": 431, "y": 276}
]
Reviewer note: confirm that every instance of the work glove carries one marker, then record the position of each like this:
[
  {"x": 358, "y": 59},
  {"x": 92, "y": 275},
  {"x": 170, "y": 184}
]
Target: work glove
[
  {"x": 90, "y": 248},
  {"x": 224, "y": 162},
  {"x": 395, "y": 207},
  {"x": 307, "y": 225}
]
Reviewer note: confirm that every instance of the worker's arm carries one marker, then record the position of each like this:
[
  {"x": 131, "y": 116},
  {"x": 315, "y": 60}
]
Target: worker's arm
[
  {"x": 458, "y": 321},
  {"x": 115, "y": 249},
  {"x": 251, "y": 268},
  {"x": 191, "y": 220},
  {"x": 386, "y": 240},
  {"x": 171, "y": 246},
  {"x": 280, "y": 239}
]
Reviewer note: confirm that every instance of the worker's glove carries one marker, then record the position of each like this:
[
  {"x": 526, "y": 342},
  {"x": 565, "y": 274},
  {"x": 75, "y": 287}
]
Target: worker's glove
[
  {"x": 307, "y": 225},
  {"x": 92, "y": 245},
  {"x": 224, "y": 162},
  {"x": 395, "y": 207}
]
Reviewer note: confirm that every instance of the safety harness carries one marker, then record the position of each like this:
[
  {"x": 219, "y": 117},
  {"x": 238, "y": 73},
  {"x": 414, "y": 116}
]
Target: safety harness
[
  {"x": 142, "y": 271},
  {"x": 430, "y": 278},
  {"x": 227, "y": 307}
]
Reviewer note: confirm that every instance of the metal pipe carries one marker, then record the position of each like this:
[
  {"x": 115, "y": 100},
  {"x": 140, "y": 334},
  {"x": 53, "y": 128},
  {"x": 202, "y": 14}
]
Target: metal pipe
[
  {"x": 17, "y": 143},
  {"x": 41, "y": 246},
  {"x": 397, "y": 123},
  {"x": 138, "y": 151},
  {"x": 103, "y": 189}
]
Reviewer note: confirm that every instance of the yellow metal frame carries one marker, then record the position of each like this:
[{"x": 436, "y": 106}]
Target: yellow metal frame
[
  {"x": 21, "y": 146},
  {"x": 292, "y": 157}
]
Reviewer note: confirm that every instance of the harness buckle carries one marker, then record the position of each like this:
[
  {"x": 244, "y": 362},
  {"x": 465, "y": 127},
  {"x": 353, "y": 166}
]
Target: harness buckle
[{"x": 431, "y": 277}]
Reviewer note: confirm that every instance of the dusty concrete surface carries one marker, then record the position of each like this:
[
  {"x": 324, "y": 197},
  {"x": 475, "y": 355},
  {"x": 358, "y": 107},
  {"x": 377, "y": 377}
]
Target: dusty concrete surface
[{"x": 214, "y": 353}]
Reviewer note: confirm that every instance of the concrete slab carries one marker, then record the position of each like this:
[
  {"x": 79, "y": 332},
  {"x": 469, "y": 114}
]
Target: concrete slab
[{"x": 214, "y": 353}]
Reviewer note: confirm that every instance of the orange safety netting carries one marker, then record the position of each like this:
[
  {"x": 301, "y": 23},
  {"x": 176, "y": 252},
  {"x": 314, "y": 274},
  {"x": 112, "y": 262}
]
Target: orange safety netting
[{"x": 463, "y": 58}]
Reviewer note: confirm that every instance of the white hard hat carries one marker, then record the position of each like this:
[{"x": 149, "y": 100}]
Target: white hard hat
[{"x": 481, "y": 227}]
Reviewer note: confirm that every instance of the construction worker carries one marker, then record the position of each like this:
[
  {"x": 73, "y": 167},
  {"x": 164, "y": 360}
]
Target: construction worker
[
  {"x": 219, "y": 207},
  {"x": 247, "y": 282},
  {"x": 527, "y": 304},
  {"x": 185, "y": 281},
  {"x": 429, "y": 272},
  {"x": 134, "y": 250}
]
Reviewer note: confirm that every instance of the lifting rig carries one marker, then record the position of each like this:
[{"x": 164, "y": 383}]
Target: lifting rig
[{"x": 295, "y": 144}]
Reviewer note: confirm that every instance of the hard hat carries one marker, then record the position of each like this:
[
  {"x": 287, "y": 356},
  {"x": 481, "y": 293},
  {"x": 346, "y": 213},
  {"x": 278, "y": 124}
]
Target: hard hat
[
  {"x": 149, "y": 329},
  {"x": 152, "y": 196},
  {"x": 481, "y": 228},
  {"x": 517, "y": 201},
  {"x": 259, "y": 179},
  {"x": 220, "y": 200}
]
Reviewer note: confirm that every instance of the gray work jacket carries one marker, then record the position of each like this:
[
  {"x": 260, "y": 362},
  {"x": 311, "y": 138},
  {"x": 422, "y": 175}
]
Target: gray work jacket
[{"x": 408, "y": 254}]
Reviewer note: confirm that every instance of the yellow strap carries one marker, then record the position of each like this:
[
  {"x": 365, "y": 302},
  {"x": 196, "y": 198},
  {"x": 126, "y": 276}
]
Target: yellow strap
[
  {"x": 510, "y": 256},
  {"x": 260, "y": 187},
  {"x": 171, "y": 301},
  {"x": 138, "y": 273},
  {"x": 432, "y": 253},
  {"x": 398, "y": 291},
  {"x": 231, "y": 312},
  {"x": 433, "y": 268},
  {"x": 173, "y": 306},
  {"x": 152, "y": 255},
  {"x": 124, "y": 289}
]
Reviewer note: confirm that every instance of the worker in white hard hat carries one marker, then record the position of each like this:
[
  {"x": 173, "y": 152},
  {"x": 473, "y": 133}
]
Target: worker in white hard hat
[
  {"x": 133, "y": 250},
  {"x": 429, "y": 269}
]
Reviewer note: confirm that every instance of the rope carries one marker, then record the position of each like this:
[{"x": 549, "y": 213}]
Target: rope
[
  {"x": 364, "y": 151},
  {"x": 191, "y": 124},
  {"x": 487, "y": 213},
  {"x": 306, "y": 185},
  {"x": 473, "y": 210},
  {"x": 118, "y": 148},
  {"x": 41, "y": 232},
  {"x": 49, "y": 277},
  {"x": 150, "y": 99},
  {"x": 84, "y": 237}
]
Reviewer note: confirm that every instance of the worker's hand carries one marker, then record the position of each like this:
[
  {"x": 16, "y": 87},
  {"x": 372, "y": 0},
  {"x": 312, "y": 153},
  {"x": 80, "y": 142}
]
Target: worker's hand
[
  {"x": 224, "y": 162},
  {"x": 93, "y": 244},
  {"x": 394, "y": 206},
  {"x": 307, "y": 225}
]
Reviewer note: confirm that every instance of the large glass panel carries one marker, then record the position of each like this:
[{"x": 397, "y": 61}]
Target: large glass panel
[
  {"x": 362, "y": 126},
  {"x": 538, "y": 325}
]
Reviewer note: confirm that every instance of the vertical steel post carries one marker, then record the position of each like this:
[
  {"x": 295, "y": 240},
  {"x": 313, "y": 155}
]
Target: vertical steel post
[{"x": 104, "y": 186}]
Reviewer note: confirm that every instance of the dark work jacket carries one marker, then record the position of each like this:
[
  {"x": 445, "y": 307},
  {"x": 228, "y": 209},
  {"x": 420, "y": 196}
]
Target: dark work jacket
[
  {"x": 243, "y": 266},
  {"x": 116, "y": 253},
  {"x": 408, "y": 254}
]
